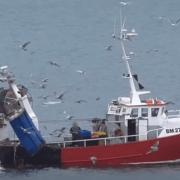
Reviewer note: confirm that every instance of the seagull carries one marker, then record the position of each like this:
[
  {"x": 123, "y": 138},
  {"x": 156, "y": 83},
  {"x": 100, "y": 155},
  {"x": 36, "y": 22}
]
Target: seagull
[
  {"x": 81, "y": 72},
  {"x": 45, "y": 127},
  {"x": 108, "y": 48},
  {"x": 98, "y": 98},
  {"x": 80, "y": 101},
  {"x": 60, "y": 96},
  {"x": 172, "y": 22},
  {"x": 52, "y": 102},
  {"x": 25, "y": 130},
  {"x": 44, "y": 97},
  {"x": 44, "y": 80},
  {"x": 53, "y": 63},
  {"x": 23, "y": 46},
  {"x": 152, "y": 50},
  {"x": 43, "y": 86},
  {"x": 124, "y": 3},
  {"x": 154, "y": 148},
  {"x": 131, "y": 53},
  {"x": 68, "y": 116},
  {"x": 58, "y": 132}
]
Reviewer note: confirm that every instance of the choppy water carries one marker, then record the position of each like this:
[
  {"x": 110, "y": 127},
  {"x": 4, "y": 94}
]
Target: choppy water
[
  {"x": 164, "y": 173},
  {"x": 74, "y": 33}
]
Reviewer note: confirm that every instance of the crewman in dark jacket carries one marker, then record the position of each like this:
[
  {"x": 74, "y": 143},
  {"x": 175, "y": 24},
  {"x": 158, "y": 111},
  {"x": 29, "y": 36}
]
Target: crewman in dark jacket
[{"x": 75, "y": 131}]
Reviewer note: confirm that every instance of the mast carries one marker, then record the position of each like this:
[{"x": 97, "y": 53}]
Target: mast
[{"x": 125, "y": 36}]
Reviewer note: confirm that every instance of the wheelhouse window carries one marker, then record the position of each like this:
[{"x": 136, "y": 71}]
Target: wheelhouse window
[
  {"x": 113, "y": 108},
  {"x": 154, "y": 112},
  {"x": 118, "y": 110},
  {"x": 144, "y": 112},
  {"x": 134, "y": 112},
  {"x": 124, "y": 110}
]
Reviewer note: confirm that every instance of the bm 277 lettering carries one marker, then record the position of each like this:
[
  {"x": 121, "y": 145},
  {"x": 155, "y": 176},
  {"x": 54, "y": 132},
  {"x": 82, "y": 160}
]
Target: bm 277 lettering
[{"x": 173, "y": 130}]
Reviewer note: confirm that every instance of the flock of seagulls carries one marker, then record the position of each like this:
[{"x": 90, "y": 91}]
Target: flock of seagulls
[
  {"x": 59, "y": 97},
  {"x": 168, "y": 20},
  {"x": 132, "y": 33}
]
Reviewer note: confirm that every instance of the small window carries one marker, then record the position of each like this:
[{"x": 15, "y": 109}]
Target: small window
[
  {"x": 113, "y": 108},
  {"x": 118, "y": 110},
  {"x": 124, "y": 110},
  {"x": 144, "y": 112},
  {"x": 134, "y": 112},
  {"x": 154, "y": 112}
]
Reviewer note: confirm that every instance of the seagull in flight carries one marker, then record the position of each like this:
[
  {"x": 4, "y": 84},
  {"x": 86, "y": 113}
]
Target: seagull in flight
[
  {"x": 45, "y": 97},
  {"x": 52, "y": 102},
  {"x": 81, "y": 72},
  {"x": 53, "y": 63},
  {"x": 123, "y": 3},
  {"x": 172, "y": 22},
  {"x": 68, "y": 116},
  {"x": 60, "y": 96},
  {"x": 41, "y": 84},
  {"x": 58, "y": 132},
  {"x": 23, "y": 46},
  {"x": 25, "y": 130},
  {"x": 108, "y": 48},
  {"x": 80, "y": 101},
  {"x": 44, "y": 80},
  {"x": 98, "y": 98}
]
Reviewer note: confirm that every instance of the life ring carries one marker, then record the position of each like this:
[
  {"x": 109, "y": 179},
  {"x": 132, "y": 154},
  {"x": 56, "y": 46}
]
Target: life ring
[
  {"x": 158, "y": 102},
  {"x": 150, "y": 102}
]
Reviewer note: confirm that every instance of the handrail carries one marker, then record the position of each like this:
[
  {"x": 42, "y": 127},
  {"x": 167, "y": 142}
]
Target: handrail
[
  {"x": 176, "y": 110},
  {"x": 173, "y": 114},
  {"x": 105, "y": 139}
]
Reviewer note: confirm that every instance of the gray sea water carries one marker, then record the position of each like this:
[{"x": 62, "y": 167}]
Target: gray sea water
[{"x": 75, "y": 33}]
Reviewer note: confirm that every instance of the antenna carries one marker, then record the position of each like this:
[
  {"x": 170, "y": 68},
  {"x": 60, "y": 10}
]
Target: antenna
[
  {"x": 121, "y": 22},
  {"x": 114, "y": 30}
]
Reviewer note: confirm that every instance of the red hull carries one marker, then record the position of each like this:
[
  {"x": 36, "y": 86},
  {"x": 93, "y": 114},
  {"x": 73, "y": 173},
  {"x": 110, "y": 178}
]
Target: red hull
[{"x": 168, "y": 150}]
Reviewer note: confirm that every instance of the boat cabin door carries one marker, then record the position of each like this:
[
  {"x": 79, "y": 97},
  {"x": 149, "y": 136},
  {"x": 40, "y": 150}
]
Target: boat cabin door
[
  {"x": 142, "y": 126},
  {"x": 131, "y": 129}
]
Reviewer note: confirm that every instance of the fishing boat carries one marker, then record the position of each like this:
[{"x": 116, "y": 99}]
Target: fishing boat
[
  {"x": 137, "y": 130},
  {"x": 140, "y": 130}
]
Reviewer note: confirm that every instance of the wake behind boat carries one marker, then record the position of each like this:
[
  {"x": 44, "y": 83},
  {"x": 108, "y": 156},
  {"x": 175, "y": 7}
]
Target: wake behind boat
[{"x": 135, "y": 131}]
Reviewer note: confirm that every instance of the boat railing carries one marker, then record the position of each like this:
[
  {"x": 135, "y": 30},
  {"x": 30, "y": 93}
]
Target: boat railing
[
  {"x": 173, "y": 114},
  {"x": 109, "y": 140}
]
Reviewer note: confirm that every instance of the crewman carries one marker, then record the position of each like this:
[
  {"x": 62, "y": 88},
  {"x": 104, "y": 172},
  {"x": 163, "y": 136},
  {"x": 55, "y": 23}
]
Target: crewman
[{"x": 75, "y": 131}]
